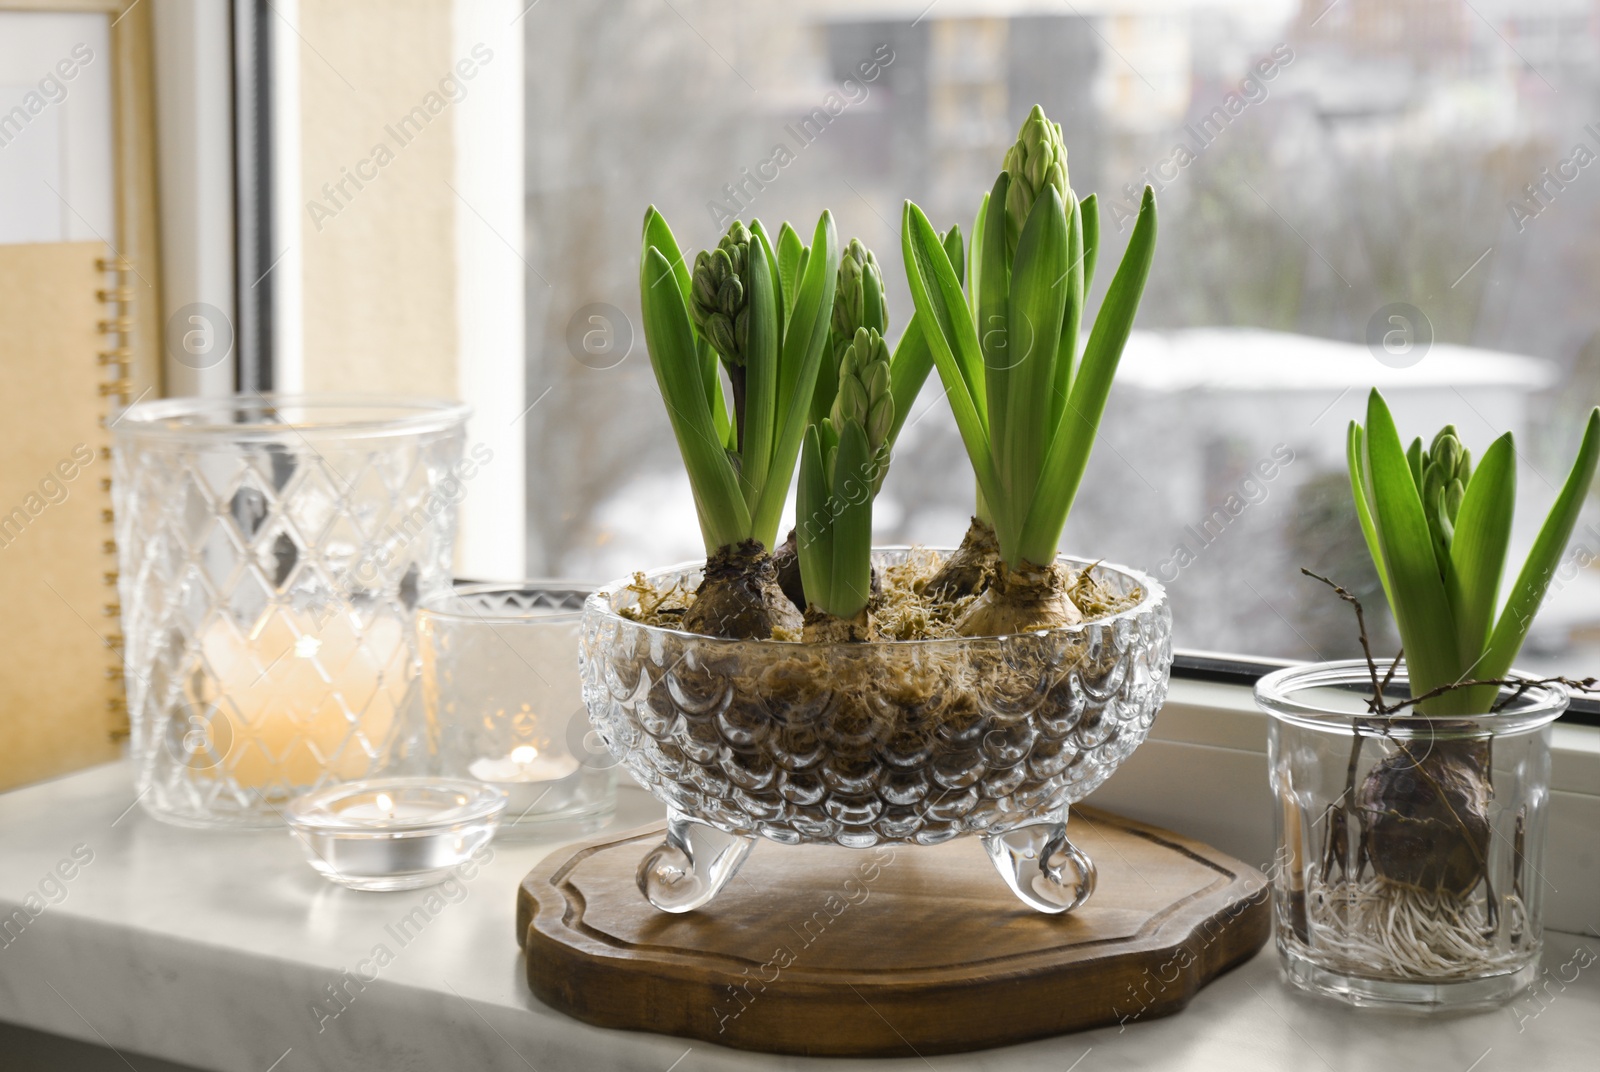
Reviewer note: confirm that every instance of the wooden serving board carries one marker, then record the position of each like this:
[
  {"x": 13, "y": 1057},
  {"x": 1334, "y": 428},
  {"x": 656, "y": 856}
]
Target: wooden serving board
[{"x": 888, "y": 952}]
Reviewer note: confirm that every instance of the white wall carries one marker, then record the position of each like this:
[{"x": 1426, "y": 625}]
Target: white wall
[
  {"x": 56, "y": 164},
  {"x": 489, "y": 287}
]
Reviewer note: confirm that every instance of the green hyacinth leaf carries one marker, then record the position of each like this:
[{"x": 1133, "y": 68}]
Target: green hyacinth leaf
[
  {"x": 993, "y": 319},
  {"x": 669, "y": 338},
  {"x": 1478, "y": 551},
  {"x": 1361, "y": 491},
  {"x": 1419, "y": 602},
  {"x": 813, "y": 524},
  {"x": 947, "y": 326},
  {"x": 953, "y": 248},
  {"x": 913, "y": 359},
  {"x": 1037, "y": 305},
  {"x": 789, "y": 250},
  {"x": 1089, "y": 210},
  {"x": 852, "y": 527},
  {"x": 799, "y": 359},
  {"x": 908, "y": 371},
  {"x": 1077, "y": 281},
  {"x": 1068, "y": 454},
  {"x": 1528, "y": 592},
  {"x": 769, "y": 247},
  {"x": 761, "y": 370},
  {"x": 658, "y": 234}
]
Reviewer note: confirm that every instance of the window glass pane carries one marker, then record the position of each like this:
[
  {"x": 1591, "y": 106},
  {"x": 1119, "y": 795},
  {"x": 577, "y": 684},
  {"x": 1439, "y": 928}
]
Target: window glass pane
[{"x": 1366, "y": 192}]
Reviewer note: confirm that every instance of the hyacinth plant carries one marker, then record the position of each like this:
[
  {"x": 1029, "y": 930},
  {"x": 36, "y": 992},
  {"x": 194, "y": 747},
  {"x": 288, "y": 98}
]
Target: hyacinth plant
[
  {"x": 842, "y": 465},
  {"x": 1439, "y": 530},
  {"x": 860, "y": 306},
  {"x": 761, "y": 310},
  {"x": 1026, "y": 391},
  {"x": 858, "y": 302}
]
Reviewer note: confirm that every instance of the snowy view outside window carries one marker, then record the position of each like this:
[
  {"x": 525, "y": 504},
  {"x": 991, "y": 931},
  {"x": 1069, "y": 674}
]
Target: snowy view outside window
[{"x": 1400, "y": 193}]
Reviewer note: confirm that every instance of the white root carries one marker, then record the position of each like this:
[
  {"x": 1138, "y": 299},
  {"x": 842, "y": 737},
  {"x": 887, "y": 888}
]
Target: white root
[{"x": 1378, "y": 930}]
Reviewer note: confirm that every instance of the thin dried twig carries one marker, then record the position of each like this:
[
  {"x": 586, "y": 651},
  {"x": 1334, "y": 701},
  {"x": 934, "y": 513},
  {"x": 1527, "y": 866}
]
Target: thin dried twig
[
  {"x": 1519, "y": 686},
  {"x": 1361, "y": 624},
  {"x": 1399, "y": 656}
]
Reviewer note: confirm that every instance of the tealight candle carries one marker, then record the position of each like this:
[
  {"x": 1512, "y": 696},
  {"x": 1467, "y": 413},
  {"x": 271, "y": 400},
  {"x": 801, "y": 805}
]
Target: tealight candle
[
  {"x": 530, "y": 778},
  {"x": 501, "y": 690},
  {"x": 395, "y": 833},
  {"x": 383, "y": 807}
]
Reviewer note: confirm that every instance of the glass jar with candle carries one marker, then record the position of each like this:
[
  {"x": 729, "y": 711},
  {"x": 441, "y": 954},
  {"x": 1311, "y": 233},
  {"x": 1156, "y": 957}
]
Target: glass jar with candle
[
  {"x": 272, "y": 553},
  {"x": 501, "y": 690},
  {"x": 394, "y": 833}
]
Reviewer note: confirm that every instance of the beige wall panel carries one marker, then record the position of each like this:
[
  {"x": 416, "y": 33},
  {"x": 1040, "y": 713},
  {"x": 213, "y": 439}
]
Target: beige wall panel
[{"x": 378, "y": 243}]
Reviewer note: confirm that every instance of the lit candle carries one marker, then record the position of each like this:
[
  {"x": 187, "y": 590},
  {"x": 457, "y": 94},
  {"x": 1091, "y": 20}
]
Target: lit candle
[
  {"x": 525, "y": 764},
  {"x": 382, "y": 809},
  {"x": 294, "y": 695},
  {"x": 530, "y": 778},
  {"x": 394, "y": 833}
]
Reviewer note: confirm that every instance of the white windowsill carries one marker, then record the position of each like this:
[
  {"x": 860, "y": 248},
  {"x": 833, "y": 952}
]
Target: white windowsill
[{"x": 208, "y": 949}]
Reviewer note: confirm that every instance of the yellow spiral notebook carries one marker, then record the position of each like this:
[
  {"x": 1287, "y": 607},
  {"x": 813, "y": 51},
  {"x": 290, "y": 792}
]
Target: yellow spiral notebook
[{"x": 64, "y": 315}]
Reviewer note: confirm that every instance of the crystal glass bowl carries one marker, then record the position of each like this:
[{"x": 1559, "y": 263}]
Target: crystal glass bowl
[{"x": 906, "y": 742}]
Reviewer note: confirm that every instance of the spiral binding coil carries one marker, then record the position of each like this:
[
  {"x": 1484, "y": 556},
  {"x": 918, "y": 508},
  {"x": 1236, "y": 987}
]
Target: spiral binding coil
[{"x": 117, "y": 359}]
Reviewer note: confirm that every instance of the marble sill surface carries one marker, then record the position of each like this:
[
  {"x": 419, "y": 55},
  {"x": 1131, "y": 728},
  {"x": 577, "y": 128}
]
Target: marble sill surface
[{"x": 210, "y": 949}]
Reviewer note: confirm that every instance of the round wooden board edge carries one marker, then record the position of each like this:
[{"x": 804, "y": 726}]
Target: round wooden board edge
[{"x": 895, "y": 1019}]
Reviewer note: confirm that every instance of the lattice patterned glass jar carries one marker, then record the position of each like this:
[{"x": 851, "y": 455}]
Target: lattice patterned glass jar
[
  {"x": 909, "y": 742},
  {"x": 273, "y": 550}
]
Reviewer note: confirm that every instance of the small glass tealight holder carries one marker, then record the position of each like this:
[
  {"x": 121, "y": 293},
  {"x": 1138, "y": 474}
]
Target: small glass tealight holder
[
  {"x": 395, "y": 833},
  {"x": 501, "y": 688}
]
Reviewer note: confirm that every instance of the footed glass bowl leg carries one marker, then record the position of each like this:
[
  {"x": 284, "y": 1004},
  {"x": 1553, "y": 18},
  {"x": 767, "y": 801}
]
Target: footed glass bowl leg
[
  {"x": 1044, "y": 869},
  {"x": 691, "y": 865}
]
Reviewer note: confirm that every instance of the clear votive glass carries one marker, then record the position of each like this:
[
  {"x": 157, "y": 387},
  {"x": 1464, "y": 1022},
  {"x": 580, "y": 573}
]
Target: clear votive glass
[
  {"x": 502, "y": 693},
  {"x": 394, "y": 833}
]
